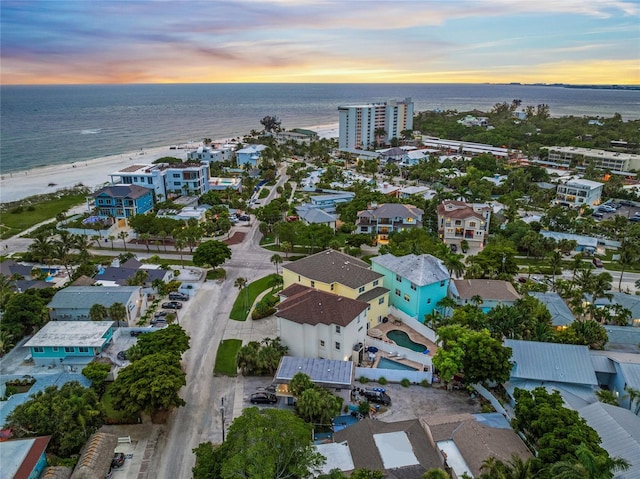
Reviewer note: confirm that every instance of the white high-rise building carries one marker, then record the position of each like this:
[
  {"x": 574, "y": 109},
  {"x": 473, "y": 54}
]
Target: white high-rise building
[{"x": 359, "y": 124}]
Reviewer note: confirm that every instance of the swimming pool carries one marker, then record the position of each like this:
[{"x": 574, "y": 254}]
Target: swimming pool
[
  {"x": 402, "y": 339},
  {"x": 385, "y": 363}
]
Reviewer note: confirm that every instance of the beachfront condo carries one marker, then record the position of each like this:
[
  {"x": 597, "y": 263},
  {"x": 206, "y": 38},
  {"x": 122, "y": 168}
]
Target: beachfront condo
[{"x": 361, "y": 126}]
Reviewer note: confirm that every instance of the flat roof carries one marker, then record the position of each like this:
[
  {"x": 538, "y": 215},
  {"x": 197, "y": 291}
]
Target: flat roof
[
  {"x": 395, "y": 449},
  {"x": 18, "y": 457},
  {"x": 71, "y": 333},
  {"x": 330, "y": 372},
  {"x": 338, "y": 456}
]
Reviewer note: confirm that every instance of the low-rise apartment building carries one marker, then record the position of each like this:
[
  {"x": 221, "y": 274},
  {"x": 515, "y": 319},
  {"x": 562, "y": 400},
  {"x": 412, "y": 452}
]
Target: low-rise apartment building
[
  {"x": 579, "y": 192},
  {"x": 570, "y": 156},
  {"x": 458, "y": 221}
]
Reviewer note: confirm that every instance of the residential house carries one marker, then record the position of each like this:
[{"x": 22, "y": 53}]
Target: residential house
[
  {"x": 96, "y": 456},
  {"x": 619, "y": 430},
  {"x": 566, "y": 368},
  {"x": 187, "y": 178},
  {"x": 579, "y": 192},
  {"x": 318, "y": 324},
  {"x": 20, "y": 277},
  {"x": 618, "y": 372},
  {"x": 417, "y": 283},
  {"x": 458, "y": 221},
  {"x": 24, "y": 458},
  {"x": 410, "y": 191},
  {"x": 222, "y": 184},
  {"x": 250, "y": 155},
  {"x": 122, "y": 274},
  {"x": 392, "y": 155},
  {"x": 360, "y": 125},
  {"x": 399, "y": 449},
  {"x": 584, "y": 243},
  {"x": 70, "y": 343},
  {"x": 148, "y": 176},
  {"x": 628, "y": 301},
  {"x": 73, "y": 303},
  {"x": 210, "y": 154},
  {"x": 197, "y": 213},
  {"x": 122, "y": 201},
  {"x": 344, "y": 275},
  {"x": 412, "y": 158},
  {"x": 317, "y": 216},
  {"x": 328, "y": 202},
  {"x": 561, "y": 315},
  {"x": 381, "y": 220},
  {"x": 491, "y": 292},
  {"x": 465, "y": 441}
]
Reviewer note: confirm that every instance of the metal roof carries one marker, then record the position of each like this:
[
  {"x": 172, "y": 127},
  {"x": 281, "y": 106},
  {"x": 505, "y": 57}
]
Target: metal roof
[
  {"x": 602, "y": 364},
  {"x": 83, "y": 297},
  {"x": 619, "y": 430},
  {"x": 325, "y": 372},
  {"x": 575, "y": 396},
  {"x": 563, "y": 363},
  {"x": 631, "y": 373},
  {"x": 420, "y": 270},
  {"x": 317, "y": 215},
  {"x": 90, "y": 334},
  {"x": 561, "y": 315}
]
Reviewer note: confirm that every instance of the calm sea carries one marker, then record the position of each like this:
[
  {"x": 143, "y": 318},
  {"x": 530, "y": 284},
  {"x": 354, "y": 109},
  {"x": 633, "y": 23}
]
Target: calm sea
[{"x": 44, "y": 125}]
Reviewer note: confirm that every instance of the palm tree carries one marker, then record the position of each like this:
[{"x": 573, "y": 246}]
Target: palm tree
[
  {"x": 453, "y": 263},
  {"x": 633, "y": 395},
  {"x": 42, "y": 249},
  {"x": 241, "y": 283},
  {"x": 81, "y": 243},
  {"x": 98, "y": 312},
  {"x": 628, "y": 256},
  {"x": 436, "y": 473},
  {"x": 476, "y": 300},
  {"x": 6, "y": 342},
  {"x": 588, "y": 466},
  {"x": 276, "y": 259},
  {"x": 179, "y": 245},
  {"x": 123, "y": 235},
  {"x": 61, "y": 253},
  {"x": 145, "y": 237},
  {"x": 111, "y": 238},
  {"x": 515, "y": 468},
  {"x": 607, "y": 397},
  {"x": 445, "y": 306},
  {"x": 555, "y": 262},
  {"x": 286, "y": 247},
  {"x": 276, "y": 281},
  {"x": 117, "y": 312}
]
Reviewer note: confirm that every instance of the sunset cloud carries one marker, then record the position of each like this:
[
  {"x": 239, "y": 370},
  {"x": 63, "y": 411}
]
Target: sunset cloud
[{"x": 145, "y": 41}]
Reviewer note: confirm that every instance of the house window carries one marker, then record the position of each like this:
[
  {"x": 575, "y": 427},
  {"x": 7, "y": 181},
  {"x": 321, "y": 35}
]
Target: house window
[
  {"x": 413, "y": 286},
  {"x": 69, "y": 349},
  {"x": 38, "y": 349},
  {"x": 472, "y": 224},
  {"x": 313, "y": 284},
  {"x": 398, "y": 278},
  {"x": 442, "y": 283},
  {"x": 56, "y": 349},
  {"x": 458, "y": 223},
  {"x": 332, "y": 286},
  {"x": 397, "y": 292},
  {"x": 82, "y": 349},
  {"x": 337, "y": 329},
  {"x": 375, "y": 283},
  {"x": 321, "y": 343},
  {"x": 337, "y": 346},
  {"x": 361, "y": 289},
  {"x": 407, "y": 297},
  {"x": 381, "y": 300},
  {"x": 429, "y": 301},
  {"x": 176, "y": 175}
]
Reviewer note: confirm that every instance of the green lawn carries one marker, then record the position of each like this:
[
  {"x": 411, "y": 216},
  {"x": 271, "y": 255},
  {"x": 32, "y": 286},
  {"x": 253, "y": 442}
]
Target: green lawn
[
  {"x": 19, "y": 218},
  {"x": 247, "y": 296},
  {"x": 226, "y": 358}
]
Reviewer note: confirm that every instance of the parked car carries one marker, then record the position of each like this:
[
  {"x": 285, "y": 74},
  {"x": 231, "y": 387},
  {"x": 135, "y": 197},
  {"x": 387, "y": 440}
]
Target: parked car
[
  {"x": 377, "y": 397},
  {"x": 263, "y": 398},
  {"x": 159, "y": 314},
  {"x": 159, "y": 321},
  {"x": 626, "y": 203},
  {"x": 597, "y": 262},
  {"x": 172, "y": 305},
  {"x": 118, "y": 460},
  {"x": 245, "y": 218},
  {"x": 122, "y": 355},
  {"x": 597, "y": 215},
  {"x": 522, "y": 279},
  {"x": 634, "y": 218},
  {"x": 454, "y": 248},
  {"x": 178, "y": 296},
  {"x": 606, "y": 208},
  {"x": 137, "y": 333}
]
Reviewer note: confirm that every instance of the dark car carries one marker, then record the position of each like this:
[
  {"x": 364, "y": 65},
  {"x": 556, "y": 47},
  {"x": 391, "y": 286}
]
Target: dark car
[
  {"x": 244, "y": 218},
  {"x": 118, "y": 460},
  {"x": 159, "y": 321},
  {"x": 634, "y": 218},
  {"x": 597, "y": 262},
  {"x": 377, "y": 397},
  {"x": 122, "y": 355},
  {"x": 172, "y": 305},
  {"x": 263, "y": 398},
  {"x": 136, "y": 333},
  {"x": 454, "y": 248},
  {"x": 159, "y": 314},
  {"x": 178, "y": 296}
]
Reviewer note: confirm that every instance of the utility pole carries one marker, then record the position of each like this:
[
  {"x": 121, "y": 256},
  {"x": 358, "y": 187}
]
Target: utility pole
[{"x": 222, "y": 416}]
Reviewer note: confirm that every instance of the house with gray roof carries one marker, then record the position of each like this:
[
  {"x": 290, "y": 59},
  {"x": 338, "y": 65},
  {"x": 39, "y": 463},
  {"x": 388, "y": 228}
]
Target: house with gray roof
[
  {"x": 381, "y": 220},
  {"x": 74, "y": 302},
  {"x": 619, "y": 430},
  {"x": 122, "y": 201},
  {"x": 561, "y": 315},
  {"x": 10, "y": 267},
  {"x": 493, "y": 292},
  {"x": 627, "y": 301},
  {"x": 618, "y": 371},
  {"x": 344, "y": 275},
  {"x": 120, "y": 275},
  {"x": 317, "y": 216},
  {"x": 317, "y": 324},
  {"x": 416, "y": 282},
  {"x": 70, "y": 343},
  {"x": 566, "y": 368}
]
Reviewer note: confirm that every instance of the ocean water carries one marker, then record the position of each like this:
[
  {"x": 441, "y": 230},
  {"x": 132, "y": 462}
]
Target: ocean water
[{"x": 45, "y": 125}]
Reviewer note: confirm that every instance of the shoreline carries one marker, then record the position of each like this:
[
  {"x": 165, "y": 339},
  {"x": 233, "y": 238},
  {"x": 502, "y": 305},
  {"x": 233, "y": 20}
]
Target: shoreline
[{"x": 20, "y": 184}]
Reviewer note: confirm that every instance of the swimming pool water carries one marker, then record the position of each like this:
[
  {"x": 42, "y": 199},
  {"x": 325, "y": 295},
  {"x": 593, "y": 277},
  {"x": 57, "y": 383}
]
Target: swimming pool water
[
  {"x": 402, "y": 339},
  {"x": 385, "y": 363}
]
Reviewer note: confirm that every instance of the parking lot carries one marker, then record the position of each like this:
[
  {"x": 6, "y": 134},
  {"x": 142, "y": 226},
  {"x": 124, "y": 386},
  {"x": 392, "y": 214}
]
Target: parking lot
[{"x": 624, "y": 211}]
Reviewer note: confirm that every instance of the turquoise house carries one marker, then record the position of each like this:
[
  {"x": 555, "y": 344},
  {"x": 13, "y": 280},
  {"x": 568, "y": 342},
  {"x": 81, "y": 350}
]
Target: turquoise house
[
  {"x": 24, "y": 458},
  {"x": 415, "y": 283},
  {"x": 70, "y": 343},
  {"x": 251, "y": 155},
  {"x": 123, "y": 201}
]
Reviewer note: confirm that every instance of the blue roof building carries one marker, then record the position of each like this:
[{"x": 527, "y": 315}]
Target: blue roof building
[{"x": 123, "y": 201}]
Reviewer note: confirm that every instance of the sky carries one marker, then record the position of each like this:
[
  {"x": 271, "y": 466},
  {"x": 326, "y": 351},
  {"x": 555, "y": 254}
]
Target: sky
[{"x": 309, "y": 41}]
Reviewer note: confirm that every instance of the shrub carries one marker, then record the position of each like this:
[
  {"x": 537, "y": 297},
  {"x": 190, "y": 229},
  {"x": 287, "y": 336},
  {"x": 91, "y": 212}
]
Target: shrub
[
  {"x": 405, "y": 383},
  {"x": 425, "y": 384},
  {"x": 382, "y": 381},
  {"x": 363, "y": 380}
]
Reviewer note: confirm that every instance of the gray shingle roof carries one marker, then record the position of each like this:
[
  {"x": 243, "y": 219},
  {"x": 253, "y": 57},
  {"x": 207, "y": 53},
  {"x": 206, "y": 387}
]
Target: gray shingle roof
[
  {"x": 80, "y": 297},
  {"x": 324, "y": 372},
  {"x": 313, "y": 307},
  {"x": 420, "y": 270},
  {"x": 331, "y": 266},
  {"x": 561, "y": 315},
  {"x": 619, "y": 430},
  {"x": 397, "y": 210},
  {"x": 123, "y": 191},
  {"x": 316, "y": 215},
  {"x": 372, "y": 294},
  {"x": 487, "y": 289},
  {"x": 563, "y": 363}
]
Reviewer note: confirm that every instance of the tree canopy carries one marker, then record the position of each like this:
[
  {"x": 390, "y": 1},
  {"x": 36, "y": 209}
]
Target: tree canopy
[
  {"x": 211, "y": 253},
  {"x": 172, "y": 339}
]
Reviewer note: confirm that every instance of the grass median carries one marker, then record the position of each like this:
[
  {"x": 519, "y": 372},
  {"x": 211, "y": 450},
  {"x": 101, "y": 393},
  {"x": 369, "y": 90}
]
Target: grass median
[
  {"x": 226, "y": 362},
  {"x": 247, "y": 296}
]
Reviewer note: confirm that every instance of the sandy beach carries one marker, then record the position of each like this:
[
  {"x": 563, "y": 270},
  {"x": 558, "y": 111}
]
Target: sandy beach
[{"x": 95, "y": 172}]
